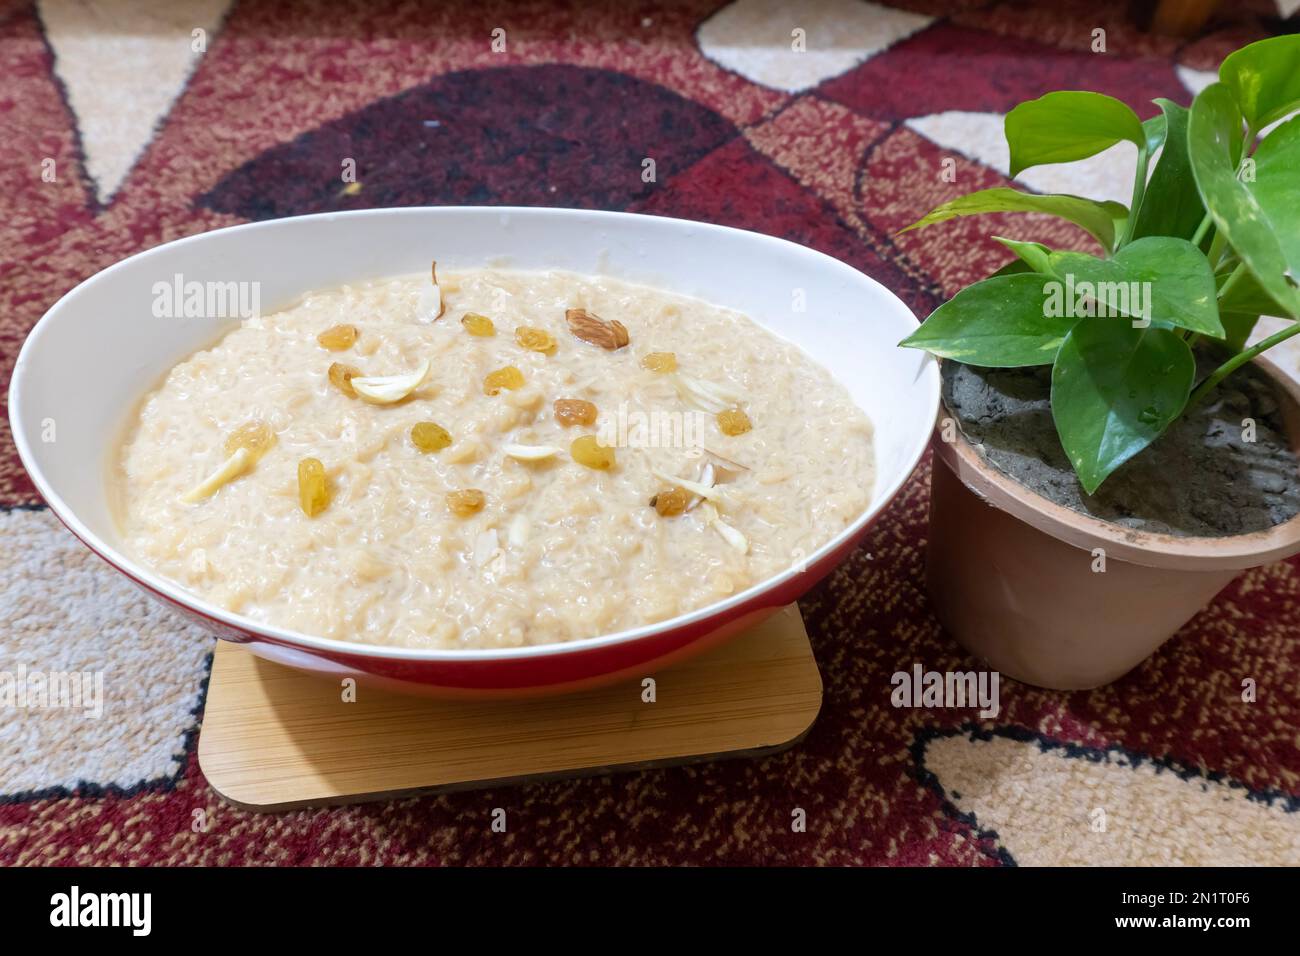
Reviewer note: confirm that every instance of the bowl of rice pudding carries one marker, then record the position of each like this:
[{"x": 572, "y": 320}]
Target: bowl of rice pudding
[{"x": 483, "y": 451}]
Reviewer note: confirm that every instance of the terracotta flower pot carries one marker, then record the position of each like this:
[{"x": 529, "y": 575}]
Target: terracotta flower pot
[{"x": 1014, "y": 577}]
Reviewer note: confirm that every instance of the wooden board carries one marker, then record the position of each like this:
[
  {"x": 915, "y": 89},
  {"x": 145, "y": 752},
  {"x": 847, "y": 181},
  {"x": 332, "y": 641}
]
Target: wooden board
[{"x": 277, "y": 739}]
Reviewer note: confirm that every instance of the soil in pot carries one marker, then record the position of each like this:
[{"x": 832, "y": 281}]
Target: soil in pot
[{"x": 1199, "y": 479}]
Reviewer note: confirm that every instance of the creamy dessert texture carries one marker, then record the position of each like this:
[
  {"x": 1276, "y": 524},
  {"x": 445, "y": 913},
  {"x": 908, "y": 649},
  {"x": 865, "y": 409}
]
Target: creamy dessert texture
[{"x": 489, "y": 458}]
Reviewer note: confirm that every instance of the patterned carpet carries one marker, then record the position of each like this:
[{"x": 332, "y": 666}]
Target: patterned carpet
[{"x": 166, "y": 122}]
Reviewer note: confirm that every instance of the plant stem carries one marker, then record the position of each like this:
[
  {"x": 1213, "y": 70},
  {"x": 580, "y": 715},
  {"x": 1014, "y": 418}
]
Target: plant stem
[
  {"x": 1237, "y": 273},
  {"x": 1238, "y": 360},
  {"x": 1139, "y": 190},
  {"x": 1201, "y": 230}
]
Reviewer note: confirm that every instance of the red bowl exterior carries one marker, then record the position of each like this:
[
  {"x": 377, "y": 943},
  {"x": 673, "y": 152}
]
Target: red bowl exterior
[{"x": 562, "y": 671}]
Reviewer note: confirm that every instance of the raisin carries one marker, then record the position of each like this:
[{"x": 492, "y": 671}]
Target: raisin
[
  {"x": 536, "y": 340},
  {"x": 466, "y": 503},
  {"x": 660, "y": 362},
  {"x": 479, "y": 325},
  {"x": 586, "y": 450},
  {"x": 508, "y": 377},
  {"x": 430, "y": 436},
  {"x": 671, "y": 502},
  {"x": 732, "y": 421},
  {"x": 313, "y": 487},
  {"x": 341, "y": 377},
  {"x": 574, "y": 411},
  {"x": 254, "y": 436},
  {"x": 338, "y": 337}
]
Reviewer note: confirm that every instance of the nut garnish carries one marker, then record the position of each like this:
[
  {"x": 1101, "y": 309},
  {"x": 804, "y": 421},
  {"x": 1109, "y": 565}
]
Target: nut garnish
[
  {"x": 608, "y": 334},
  {"x": 386, "y": 389},
  {"x": 707, "y": 396},
  {"x": 231, "y": 468},
  {"x": 431, "y": 306},
  {"x": 711, "y": 492},
  {"x": 531, "y": 452},
  {"x": 517, "y": 533},
  {"x": 729, "y": 534}
]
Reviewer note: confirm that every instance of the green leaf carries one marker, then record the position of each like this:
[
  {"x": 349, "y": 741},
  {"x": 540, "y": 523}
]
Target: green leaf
[
  {"x": 999, "y": 322},
  {"x": 1171, "y": 205},
  {"x": 1161, "y": 278},
  {"x": 1067, "y": 125},
  {"x": 1246, "y": 297},
  {"x": 1238, "y": 326},
  {"x": 1214, "y": 136},
  {"x": 1033, "y": 254},
  {"x": 1098, "y": 218},
  {"x": 1277, "y": 187},
  {"x": 1264, "y": 79},
  {"x": 1115, "y": 389}
]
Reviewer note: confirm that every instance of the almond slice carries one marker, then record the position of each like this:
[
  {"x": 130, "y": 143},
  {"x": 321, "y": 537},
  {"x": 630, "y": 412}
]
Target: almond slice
[
  {"x": 729, "y": 534},
  {"x": 707, "y": 396},
  {"x": 386, "y": 389},
  {"x": 610, "y": 334},
  {"x": 431, "y": 306},
  {"x": 231, "y": 468},
  {"x": 517, "y": 533},
  {"x": 531, "y": 452},
  {"x": 709, "y": 492}
]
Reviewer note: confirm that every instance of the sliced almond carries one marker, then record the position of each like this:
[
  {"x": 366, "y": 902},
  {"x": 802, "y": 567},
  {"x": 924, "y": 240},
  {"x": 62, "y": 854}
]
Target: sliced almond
[
  {"x": 517, "y": 534},
  {"x": 608, "y": 334},
  {"x": 485, "y": 547},
  {"x": 706, "y": 396},
  {"x": 386, "y": 389},
  {"x": 231, "y": 468},
  {"x": 431, "y": 306},
  {"x": 531, "y": 452},
  {"x": 729, "y": 534},
  {"x": 709, "y": 492},
  {"x": 724, "y": 467}
]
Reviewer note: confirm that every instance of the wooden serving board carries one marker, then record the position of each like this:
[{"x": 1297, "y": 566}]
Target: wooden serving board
[{"x": 278, "y": 739}]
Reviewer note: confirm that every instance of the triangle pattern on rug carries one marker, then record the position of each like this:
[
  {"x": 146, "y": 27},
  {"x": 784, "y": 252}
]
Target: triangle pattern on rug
[{"x": 122, "y": 64}]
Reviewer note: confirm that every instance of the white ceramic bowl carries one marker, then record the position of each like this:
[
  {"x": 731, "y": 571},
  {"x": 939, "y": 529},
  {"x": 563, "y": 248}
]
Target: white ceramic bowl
[{"x": 100, "y": 348}]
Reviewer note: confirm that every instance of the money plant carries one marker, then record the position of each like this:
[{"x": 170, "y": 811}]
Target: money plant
[{"x": 1209, "y": 241}]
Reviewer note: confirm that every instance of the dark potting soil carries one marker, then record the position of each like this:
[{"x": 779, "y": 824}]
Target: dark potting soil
[{"x": 1199, "y": 478}]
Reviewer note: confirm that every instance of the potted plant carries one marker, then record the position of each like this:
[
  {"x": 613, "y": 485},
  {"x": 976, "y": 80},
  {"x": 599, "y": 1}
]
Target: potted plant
[{"x": 1112, "y": 453}]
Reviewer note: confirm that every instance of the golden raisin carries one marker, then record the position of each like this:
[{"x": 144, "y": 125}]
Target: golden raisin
[
  {"x": 671, "y": 502},
  {"x": 338, "y": 337},
  {"x": 508, "y": 377},
  {"x": 476, "y": 324},
  {"x": 466, "y": 503},
  {"x": 574, "y": 411},
  {"x": 536, "y": 340},
  {"x": 313, "y": 487},
  {"x": 732, "y": 421},
  {"x": 255, "y": 437},
  {"x": 341, "y": 378},
  {"x": 429, "y": 436},
  {"x": 660, "y": 362},
  {"x": 586, "y": 450}
]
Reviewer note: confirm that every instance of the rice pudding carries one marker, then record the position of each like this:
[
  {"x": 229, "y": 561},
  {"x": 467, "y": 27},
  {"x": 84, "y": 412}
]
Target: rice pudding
[{"x": 489, "y": 458}]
